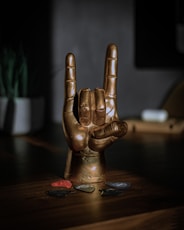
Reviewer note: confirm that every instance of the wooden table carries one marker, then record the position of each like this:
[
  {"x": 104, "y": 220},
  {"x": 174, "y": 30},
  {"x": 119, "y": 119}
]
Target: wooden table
[{"x": 152, "y": 163}]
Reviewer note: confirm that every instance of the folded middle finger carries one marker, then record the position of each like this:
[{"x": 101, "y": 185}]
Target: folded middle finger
[
  {"x": 84, "y": 109},
  {"x": 100, "y": 109}
]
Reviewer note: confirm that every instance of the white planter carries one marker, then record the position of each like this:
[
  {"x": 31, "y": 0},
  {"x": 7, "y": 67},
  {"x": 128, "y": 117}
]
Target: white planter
[{"x": 21, "y": 115}]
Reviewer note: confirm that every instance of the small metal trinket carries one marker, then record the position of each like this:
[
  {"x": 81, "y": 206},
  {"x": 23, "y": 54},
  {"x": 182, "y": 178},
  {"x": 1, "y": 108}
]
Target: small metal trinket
[
  {"x": 118, "y": 185},
  {"x": 110, "y": 192},
  {"x": 85, "y": 188},
  {"x": 58, "y": 193},
  {"x": 91, "y": 122}
]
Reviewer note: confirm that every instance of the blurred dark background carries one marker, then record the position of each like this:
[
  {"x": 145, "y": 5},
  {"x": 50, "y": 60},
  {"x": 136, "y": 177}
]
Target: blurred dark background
[
  {"x": 156, "y": 28},
  {"x": 151, "y": 58}
]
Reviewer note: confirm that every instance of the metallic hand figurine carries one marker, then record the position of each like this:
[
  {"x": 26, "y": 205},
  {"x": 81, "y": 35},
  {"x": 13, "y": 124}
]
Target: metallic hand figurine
[{"x": 90, "y": 121}]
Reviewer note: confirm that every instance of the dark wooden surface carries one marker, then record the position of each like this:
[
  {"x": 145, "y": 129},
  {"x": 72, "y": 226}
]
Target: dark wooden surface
[{"x": 152, "y": 163}]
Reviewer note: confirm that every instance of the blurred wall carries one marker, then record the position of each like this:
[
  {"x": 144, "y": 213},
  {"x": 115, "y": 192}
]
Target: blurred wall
[{"x": 85, "y": 28}]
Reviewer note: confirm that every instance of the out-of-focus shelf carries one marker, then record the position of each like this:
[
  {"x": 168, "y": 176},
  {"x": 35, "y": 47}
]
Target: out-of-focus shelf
[{"x": 170, "y": 126}]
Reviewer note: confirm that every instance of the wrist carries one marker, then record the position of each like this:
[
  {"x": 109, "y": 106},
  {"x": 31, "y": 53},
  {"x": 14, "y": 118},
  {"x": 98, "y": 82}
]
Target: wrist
[
  {"x": 85, "y": 166},
  {"x": 88, "y": 152}
]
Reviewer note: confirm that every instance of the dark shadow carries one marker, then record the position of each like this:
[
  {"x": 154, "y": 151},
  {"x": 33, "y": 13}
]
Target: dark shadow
[
  {"x": 155, "y": 34},
  {"x": 9, "y": 116},
  {"x": 158, "y": 160},
  {"x": 37, "y": 114},
  {"x": 28, "y": 24}
]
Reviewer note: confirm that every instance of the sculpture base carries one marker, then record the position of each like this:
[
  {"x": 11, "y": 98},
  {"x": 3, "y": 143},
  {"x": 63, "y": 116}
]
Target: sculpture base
[{"x": 85, "y": 168}]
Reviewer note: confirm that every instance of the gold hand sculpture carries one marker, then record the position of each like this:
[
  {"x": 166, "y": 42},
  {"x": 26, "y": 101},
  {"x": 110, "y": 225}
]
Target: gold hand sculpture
[{"x": 90, "y": 121}]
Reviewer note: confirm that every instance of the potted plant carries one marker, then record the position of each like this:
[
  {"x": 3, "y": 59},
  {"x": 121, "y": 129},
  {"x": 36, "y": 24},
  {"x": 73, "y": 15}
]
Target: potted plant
[{"x": 20, "y": 111}]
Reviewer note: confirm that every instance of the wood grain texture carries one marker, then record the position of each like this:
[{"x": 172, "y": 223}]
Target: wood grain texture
[{"x": 153, "y": 165}]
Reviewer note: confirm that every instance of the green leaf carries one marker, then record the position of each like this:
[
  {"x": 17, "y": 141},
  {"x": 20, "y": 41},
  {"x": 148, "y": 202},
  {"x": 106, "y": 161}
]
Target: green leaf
[
  {"x": 24, "y": 77},
  {"x": 13, "y": 73},
  {"x": 2, "y": 88}
]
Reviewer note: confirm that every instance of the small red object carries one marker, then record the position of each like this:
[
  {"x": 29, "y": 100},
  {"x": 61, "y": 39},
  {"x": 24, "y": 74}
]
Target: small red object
[{"x": 62, "y": 183}]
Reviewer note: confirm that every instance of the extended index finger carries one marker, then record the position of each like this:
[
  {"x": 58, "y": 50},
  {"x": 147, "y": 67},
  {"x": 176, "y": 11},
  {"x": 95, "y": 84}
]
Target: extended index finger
[
  {"x": 70, "y": 82},
  {"x": 110, "y": 78}
]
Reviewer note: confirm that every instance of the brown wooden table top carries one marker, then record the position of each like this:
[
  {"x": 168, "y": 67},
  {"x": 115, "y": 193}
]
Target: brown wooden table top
[{"x": 152, "y": 163}]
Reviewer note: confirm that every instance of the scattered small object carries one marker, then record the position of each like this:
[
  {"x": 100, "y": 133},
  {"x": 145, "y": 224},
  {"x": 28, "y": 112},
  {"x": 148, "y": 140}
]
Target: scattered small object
[
  {"x": 58, "y": 193},
  {"x": 62, "y": 183},
  {"x": 85, "y": 188},
  {"x": 118, "y": 185},
  {"x": 110, "y": 192}
]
